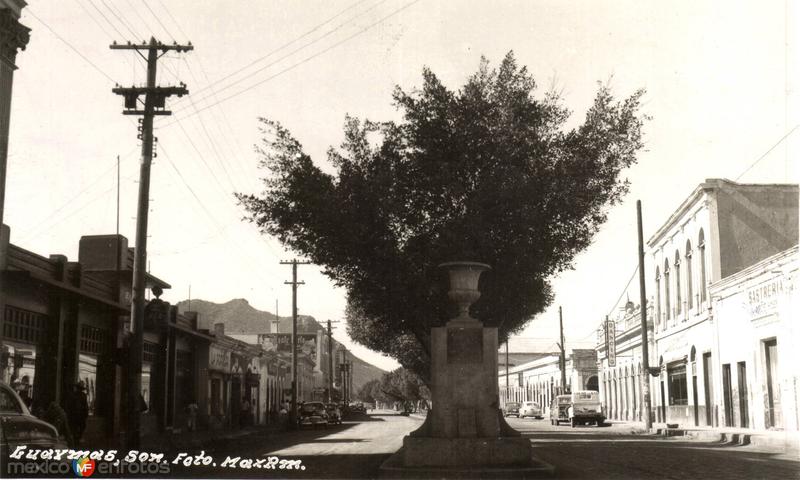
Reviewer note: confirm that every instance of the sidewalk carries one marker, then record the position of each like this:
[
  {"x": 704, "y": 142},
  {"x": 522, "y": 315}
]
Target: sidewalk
[{"x": 776, "y": 441}]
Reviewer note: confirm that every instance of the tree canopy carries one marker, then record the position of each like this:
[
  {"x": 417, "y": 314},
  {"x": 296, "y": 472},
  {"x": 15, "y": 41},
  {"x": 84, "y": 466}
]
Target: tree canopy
[{"x": 489, "y": 172}]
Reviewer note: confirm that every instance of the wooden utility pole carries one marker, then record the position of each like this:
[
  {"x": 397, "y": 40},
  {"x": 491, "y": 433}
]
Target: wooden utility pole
[
  {"x": 330, "y": 362},
  {"x": 648, "y": 421},
  {"x": 294, "y": 283},
  {"x": 563, "y": 359},
  {"x": 508, "y": 392},
  {"x": 154, "y": 104}
]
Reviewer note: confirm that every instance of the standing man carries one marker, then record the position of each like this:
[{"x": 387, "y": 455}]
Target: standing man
[{"x": 78, "y": 411}]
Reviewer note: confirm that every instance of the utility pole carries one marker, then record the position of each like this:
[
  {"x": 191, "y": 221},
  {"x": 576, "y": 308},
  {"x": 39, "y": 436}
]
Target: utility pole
[
  {"x": 507, "y": 390},
  {"x": 563, "y": 359},
  {"x": 330, "y": 362},
  {"x": 154, "y": 104},
  {"x": 294, "y": 283},
  {"x": 648, "y": 421}
]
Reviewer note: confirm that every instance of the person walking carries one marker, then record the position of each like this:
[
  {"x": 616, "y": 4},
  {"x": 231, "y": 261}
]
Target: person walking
[
  {"x": 78, "y": 411},
  {"x": 244, "y": 417},
  {"x": 191, "y": 419}
]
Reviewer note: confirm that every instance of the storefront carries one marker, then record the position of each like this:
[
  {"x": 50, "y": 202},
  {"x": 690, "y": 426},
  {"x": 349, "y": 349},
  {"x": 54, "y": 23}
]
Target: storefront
[{"x": 755, "y": 316}]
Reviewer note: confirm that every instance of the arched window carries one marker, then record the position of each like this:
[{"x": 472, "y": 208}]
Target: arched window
[
  {"x": 666, "y": 289},
  {"x": 677, "y": 282},
  {"x": 701, "y": 246},
  {"x": 658, "y": 298},
  {"x": 689, "y": 293}
]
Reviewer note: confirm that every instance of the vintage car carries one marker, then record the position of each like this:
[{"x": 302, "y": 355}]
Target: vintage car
[
  {"x": 334, "y": 414},
  {"x": 511, "y": 408},
  {"x": 312, "y": 413},
  {"x": 586, "y": 408},
  {"x": 559, "y": 409},
  {"x": 19, "y": 427},
  {"x": 530, "y": 409},
  {"x": 581, "y": 407}
]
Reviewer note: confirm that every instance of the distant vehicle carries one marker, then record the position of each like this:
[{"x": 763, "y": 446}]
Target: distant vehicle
[
  {"x": 530, "y": 409},
  {"x": 334, "y": 414},
  {"x": 19, "y": 427},
  {"x": 581, "y": 407},
  {"x": 559, "y": 409},
  {"x": 312, "y": 413},
  {"x": 511, "y": 408}
]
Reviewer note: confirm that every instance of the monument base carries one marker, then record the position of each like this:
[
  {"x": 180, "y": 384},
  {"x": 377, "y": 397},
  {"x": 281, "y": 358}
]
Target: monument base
[
  {"x": 466, "y": 452},
  {"x": 394, "y": 467}
]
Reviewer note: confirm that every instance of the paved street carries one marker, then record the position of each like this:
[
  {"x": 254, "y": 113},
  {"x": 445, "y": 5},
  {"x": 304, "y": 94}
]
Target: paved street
[
  {"x": 355, "y": 449},
  {"x": 615, "y": 451}
]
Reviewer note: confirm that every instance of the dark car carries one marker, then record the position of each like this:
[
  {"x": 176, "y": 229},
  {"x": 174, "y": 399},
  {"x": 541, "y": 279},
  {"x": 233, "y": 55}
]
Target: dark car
[
  {"x": 334, "y": 414},
  {"x": 18, "y": 427},
  {"x": 511, "y": 408},
  {"x": 312, "y": 413}
]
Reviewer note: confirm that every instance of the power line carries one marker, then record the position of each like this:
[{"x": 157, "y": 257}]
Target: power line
[
  {"x": 29, "y": 11},
  {"x": 125, "y": 24},
  {"x": 768, "y": 151},
  {"x": 275, "y": 62},
  {"x": 91, "y": 2},
  {"x": 158, "y": 19},
  {"x": 306, "y": 60},
  {"x": 276, "y": 50},
  {"x": 624, "y": 290}
]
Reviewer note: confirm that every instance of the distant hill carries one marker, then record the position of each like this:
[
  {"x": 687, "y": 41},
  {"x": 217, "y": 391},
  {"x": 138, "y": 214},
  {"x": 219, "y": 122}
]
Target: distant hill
[{"x": 240, "y": 318}]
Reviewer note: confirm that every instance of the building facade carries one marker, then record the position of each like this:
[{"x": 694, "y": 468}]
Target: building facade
[
  {"x": 540, "y": 380},
  {"x": 721, "y": 229},
  {"x": 758, "y": 340}
]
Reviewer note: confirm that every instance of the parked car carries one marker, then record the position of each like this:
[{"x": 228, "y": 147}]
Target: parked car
[
  {"x": 511, "y": 408},
  {"x": 312, "y": 413},
  {"x": 530, "y": 409},
  {"x": 19, "y": 427},
  {"x": 581, "y": 407},
  {"x": 334, "y": 414}
]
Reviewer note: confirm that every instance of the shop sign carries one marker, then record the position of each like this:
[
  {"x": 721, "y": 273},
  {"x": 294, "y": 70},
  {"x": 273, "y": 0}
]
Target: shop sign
[
  {"x": 611, "y": 343},
  {"x": 763, "y": 299},
  {"x": 282, "y": 343},
  {"x": 219, "y": 359}
]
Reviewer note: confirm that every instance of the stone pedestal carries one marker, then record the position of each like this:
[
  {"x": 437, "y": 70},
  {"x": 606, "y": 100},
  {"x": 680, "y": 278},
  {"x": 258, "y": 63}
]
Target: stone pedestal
[{"x": 464, "y": 428}]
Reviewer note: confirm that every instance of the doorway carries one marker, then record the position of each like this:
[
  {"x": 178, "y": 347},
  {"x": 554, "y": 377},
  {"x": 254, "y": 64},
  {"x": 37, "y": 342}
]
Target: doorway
[
  {"x": 663, "y": 403},
  {"x": 744, "y": 412},
  {"x": 707, "y": 384},
  {"x": 726, "y": 394},
  {"x": 774, "y": 418}
]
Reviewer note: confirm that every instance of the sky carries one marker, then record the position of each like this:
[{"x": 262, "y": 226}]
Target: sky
[{"x": 721, "y": 83}]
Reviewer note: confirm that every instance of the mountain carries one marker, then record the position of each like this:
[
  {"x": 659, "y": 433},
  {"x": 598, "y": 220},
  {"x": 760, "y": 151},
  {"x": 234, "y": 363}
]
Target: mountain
[{"x": 241, "y": 318}]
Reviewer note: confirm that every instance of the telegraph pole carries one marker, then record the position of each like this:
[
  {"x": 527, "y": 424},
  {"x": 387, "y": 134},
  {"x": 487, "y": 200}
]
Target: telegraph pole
[
  {"x": 648, "y": 421},
  {"x": 507, "y": 390},
  {"x": 294, "y": 283},
  {"x": 154, "y": 104},
  {"x": 330, "y": 362},
  {"x": 563, "y": 359}
]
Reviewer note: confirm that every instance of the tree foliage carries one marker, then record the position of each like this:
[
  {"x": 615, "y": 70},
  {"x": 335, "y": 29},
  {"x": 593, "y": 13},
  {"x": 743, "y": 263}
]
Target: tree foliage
[{"x": 487, "y": 173}]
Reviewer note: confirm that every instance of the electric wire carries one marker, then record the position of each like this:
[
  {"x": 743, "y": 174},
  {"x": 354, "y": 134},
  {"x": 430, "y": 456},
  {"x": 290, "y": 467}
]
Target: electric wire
[{"x": 304, "y": 61}]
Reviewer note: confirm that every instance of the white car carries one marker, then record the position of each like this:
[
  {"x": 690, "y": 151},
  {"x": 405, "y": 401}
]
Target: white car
[{"x": 530, "y": 409}]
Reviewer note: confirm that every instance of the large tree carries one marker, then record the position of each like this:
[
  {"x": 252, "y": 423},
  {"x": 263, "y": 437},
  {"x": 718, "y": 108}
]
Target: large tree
[{"x": 487, "y": 173}]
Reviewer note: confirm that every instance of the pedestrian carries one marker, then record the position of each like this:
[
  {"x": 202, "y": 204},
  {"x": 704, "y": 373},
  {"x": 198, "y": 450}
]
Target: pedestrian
[
  {"x": 77, "y": 411},
  {"x": 57, "y": 417},
  {"x": 191, "y": 419},
  {"x": 244, "y": 418}
]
